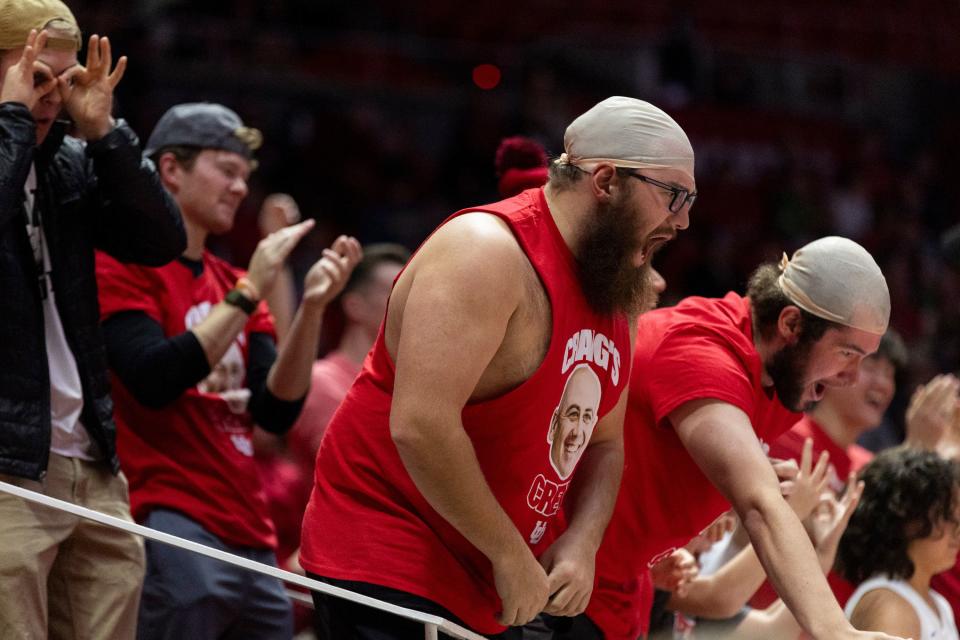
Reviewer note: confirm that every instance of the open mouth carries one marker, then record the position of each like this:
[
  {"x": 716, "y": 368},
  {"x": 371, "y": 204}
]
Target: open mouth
[{"x": 651, "y": 246}]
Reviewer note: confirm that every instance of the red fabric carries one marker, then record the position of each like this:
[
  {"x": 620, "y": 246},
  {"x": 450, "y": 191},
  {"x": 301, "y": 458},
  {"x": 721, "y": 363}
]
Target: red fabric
[
  {"x": 195, "y": 455},
  {"x": 329, "y": 382},
  {"x": 947, "y": 584},
  {"x": 700, "y": 349},
  {"x": 367, "y": 521},
  {"x": 288, "y": 479},
  {"x": 513, "y": 181},
  {"x": 842, "y": 462}
]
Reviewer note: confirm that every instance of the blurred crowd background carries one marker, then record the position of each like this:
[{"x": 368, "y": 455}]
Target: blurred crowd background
[{"x": 808, "y": 119}]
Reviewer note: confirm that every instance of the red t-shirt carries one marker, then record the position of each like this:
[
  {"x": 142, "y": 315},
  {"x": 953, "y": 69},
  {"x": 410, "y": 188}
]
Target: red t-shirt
[
  {"x": 842, "y": 462},
  {"x": 700, "y": 349},
  {"x": 367, "y": 521},
  {"x": 194, "y": 455},
  {"x": 330, "y": 380}
]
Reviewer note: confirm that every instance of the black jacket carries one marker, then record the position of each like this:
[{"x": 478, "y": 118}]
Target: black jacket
[{"x": 101, "y": 195}]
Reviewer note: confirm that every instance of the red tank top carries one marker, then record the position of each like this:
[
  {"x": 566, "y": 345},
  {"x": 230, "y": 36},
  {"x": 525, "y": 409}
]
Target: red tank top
[{"x": 367, "y": 521}]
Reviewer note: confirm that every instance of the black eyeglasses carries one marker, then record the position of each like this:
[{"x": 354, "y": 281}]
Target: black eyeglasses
[{"x": 680, "y": 196}]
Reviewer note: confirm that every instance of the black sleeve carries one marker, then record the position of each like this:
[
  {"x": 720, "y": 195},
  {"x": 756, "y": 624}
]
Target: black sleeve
[
  {"x": 18, "y": 136},
  {"x": 136, "y": 219},
  {"x": 154, "y": 368},
  {"x": 269, "y": 412}
]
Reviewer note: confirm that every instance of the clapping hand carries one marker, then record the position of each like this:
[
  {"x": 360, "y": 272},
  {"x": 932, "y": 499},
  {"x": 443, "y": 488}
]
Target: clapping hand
[{"x": 330, "y": 273}]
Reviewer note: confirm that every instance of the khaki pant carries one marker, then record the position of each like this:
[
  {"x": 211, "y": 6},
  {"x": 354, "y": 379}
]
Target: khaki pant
[{"x": 81, "y": 576}]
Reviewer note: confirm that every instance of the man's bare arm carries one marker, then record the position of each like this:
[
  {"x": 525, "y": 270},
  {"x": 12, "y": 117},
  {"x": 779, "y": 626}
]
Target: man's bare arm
[
  {"x": 721, "y": 440},
  {"x": 465, "y": 288}
]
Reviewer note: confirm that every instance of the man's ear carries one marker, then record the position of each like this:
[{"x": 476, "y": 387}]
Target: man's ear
[
  {"x": 170, "y": 171},
  {"x": 602, "y": 181},
  {"x": 790, "y": 324}
]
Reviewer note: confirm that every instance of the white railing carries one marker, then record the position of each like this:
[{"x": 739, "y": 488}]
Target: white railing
[{"x": 431, "y": 624}]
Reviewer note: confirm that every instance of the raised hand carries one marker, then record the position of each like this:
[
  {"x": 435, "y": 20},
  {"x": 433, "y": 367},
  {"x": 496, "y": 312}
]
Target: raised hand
[
  {"x": 27, "y": 80},
  {"x": 931, "y": 411},
  {"x": 279, "y": 210},
  {"x": 829, "y": 520},
  {"x": 570, "y": 569},
  {"x": 522, "y": 586},
  {"x": 330, "y": 273},
  {"x": 803, "y": 486},
  {"x": 271, "y": 252},
  {"x": 713, "y": 533},
  {"x": 87, "y": 91}
]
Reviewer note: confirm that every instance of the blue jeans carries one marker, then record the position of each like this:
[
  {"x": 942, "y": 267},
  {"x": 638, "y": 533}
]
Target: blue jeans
[{"x": 188, "y": 595}]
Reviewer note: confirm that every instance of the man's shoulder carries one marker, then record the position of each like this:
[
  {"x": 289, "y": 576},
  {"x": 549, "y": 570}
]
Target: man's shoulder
[
  {"x": 473, "y": 245},
  {"x": 109, "y": 269}
]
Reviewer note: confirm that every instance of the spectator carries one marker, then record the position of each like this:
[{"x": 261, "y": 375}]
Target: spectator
[
  {"x": 364, "y": 302},
  {"x": 61, "y": 197},
  {"x": 457, "y": 397},
  {"x": 904, "y": 532},
  {"x": 194, "y": 357},
  {"x": 711, "y": 378}
]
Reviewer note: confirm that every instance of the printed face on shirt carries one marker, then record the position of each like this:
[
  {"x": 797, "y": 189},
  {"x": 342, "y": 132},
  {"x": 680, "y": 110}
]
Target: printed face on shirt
[{"x": 574, "y": 419}]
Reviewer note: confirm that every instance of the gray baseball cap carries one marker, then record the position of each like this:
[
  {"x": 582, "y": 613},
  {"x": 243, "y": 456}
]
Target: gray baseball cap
[{"x": 205, "y": 125}]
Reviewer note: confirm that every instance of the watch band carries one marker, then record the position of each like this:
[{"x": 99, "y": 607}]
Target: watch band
[
  {"x": 240, "y": 301},
  {"x": 247, "y": 288}
]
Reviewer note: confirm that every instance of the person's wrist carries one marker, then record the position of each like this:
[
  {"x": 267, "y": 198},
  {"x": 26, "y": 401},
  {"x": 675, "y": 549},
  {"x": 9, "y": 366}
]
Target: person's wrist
[
  {"x": 235, "y": 298},
  {"x": 98, "y": 130},
  {"x": 246, "y": 286},
  {"x": 828, "y": 627}
]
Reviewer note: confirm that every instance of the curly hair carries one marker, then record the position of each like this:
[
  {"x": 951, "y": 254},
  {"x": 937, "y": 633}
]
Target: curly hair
[{"x": 908, "y": 494}]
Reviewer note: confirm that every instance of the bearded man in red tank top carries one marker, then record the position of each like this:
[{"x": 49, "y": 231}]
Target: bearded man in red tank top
[{"x": 440, "y": 479}]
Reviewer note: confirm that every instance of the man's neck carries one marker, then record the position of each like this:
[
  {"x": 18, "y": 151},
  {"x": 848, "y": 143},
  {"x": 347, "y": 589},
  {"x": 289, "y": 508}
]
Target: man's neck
[
  {"x": 196, "y": 239},
  {"x": 568, "y": 208}
]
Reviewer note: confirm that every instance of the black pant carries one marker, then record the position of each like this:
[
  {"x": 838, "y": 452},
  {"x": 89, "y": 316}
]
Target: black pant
[
  {"x": 576, "y": 628},
  {"x": 339, "y": 619}
]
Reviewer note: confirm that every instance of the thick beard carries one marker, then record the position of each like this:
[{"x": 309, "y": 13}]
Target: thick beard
[
  {"x": 610, "y": 282},
  {"x": 787, "y": 369}
]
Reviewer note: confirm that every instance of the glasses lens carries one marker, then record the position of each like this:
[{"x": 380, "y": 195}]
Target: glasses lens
[{"x": 676, "y": 202}]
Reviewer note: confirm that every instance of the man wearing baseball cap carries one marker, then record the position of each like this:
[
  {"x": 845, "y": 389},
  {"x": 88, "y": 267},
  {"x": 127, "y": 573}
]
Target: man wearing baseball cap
[
  {"x": 712, "y": 380},
  {"x": 435, "y": 485},
  {"x": 60, "y": 198},
  {"x": 193, "y": 349}
]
